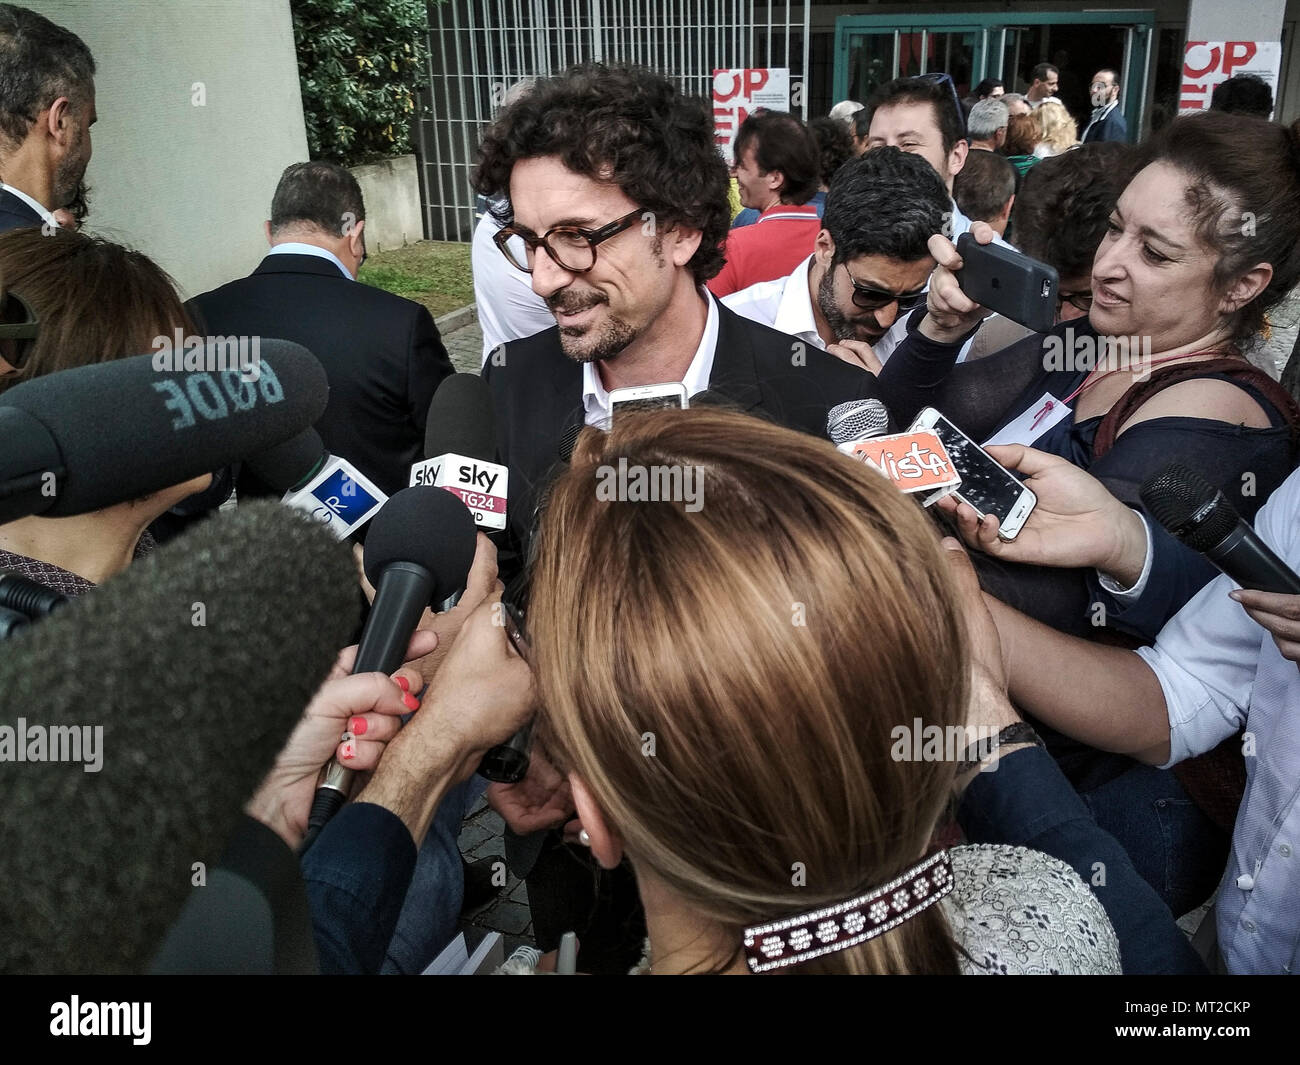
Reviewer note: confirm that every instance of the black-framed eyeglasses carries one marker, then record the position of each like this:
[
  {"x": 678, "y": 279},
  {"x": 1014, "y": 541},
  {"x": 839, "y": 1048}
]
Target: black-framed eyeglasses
[
  {"x": 18, "y": 323},
  {"x": 873, "y": 299},
  {"x": 571, "y": 247},
  {"x": 946, "y": 79},
  {"x": 1081, "y": 301}
]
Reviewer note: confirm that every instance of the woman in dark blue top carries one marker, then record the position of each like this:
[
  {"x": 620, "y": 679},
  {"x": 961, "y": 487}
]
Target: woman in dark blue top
[{"x": 1174, "y": 284}]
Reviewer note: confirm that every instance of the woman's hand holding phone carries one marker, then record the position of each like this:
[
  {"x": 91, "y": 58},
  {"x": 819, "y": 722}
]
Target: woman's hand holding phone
[{"x": 951, "y": 314}]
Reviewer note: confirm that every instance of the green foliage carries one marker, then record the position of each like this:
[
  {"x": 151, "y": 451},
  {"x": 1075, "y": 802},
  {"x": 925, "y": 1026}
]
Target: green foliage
[
  {"x": 359, "y": 63},
  {"x": 434, "y": 273}
]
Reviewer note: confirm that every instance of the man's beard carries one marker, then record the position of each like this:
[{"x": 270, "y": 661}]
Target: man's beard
[
  {"x": 615, "y": 334},
  {"x": 68, "y": 174},
  {"x": 842, "y": 326}
]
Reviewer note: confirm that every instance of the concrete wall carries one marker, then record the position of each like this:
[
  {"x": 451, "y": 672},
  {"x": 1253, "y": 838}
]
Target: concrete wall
[
  {"x": 391, "y": 191},
  {"x": 199, "y": 113}
]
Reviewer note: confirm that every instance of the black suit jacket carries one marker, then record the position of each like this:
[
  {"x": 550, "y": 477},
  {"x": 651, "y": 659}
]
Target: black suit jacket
[
  {"x": 16, "y": 214},
  {"x": 381, "y": 353},
  {"x": 537, "y": 397},
  {"x": 1111, "y": 128}
]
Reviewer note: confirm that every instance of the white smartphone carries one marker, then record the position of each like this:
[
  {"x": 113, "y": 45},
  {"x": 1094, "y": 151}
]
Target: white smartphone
[
  {"x": 985, "y": 486},
  {"x": 648, "y": 397}
]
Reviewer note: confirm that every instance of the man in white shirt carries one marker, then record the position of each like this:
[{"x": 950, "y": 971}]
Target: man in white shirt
[
  {"x": 47, "y": 106},
  {"x": 1044, "y": 80},
  {"x": 871, "y": 263},
  {"x": 508, "y": 308}
]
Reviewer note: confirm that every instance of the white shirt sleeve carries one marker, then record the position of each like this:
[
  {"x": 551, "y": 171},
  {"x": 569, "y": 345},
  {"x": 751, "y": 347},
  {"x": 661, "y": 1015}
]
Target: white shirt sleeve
[
  {"x": 1208, "y": 654},
  {"x": 1131, "y": 595}
]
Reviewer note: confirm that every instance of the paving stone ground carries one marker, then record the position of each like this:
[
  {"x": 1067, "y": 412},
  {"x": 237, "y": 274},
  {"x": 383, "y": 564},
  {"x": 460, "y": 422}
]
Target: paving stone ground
[{"x": 465, "y": 348}]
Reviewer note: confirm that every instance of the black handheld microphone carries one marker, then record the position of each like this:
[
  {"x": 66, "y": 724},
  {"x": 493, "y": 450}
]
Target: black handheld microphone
[
  {"x": 418, "y": 552},
  {"x": 1199, "y": 514},
  {"x": 97, "y": 435}
]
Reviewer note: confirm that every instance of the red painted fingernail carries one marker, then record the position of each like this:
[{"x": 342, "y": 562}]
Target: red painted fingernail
[
  {"x": 412, "y": 703},
  {"x": 403, "y": 683},
  {"x": 358, "y": 725}
]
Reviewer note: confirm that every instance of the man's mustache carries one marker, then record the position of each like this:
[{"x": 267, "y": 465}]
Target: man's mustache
[{"x": 573, "y": 302}]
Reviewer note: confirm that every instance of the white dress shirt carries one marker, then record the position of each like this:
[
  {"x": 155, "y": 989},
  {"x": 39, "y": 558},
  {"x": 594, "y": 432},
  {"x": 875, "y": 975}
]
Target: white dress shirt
[
  {"x": 595, "y": 398},
  {"x": 1219, "y": 670},
  {"x": 293, "y": 247},
  {"x": 785, "y": 304}
]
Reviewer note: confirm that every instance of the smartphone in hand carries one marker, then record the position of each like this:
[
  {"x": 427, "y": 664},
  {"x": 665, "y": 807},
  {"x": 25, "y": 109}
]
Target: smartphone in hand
[{"x": 1004, "y": 280}]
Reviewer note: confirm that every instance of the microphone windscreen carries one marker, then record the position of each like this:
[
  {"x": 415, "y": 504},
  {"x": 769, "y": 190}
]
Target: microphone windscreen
[
  {"x": 1189, "y": 507},
  {"x": 461, "y": 420},
  {"x": 290, "y": 464},
  {"x": 428, "y": 526},
  {"x": 124, "y": 429},
  {"x": 196, "y": 662},
  {"x": 858, "y": 419}
]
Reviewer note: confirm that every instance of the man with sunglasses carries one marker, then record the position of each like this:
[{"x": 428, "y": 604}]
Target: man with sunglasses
[
  {"x": 871, "y": 264},
  {"x": 47, "y": 106},
  {"x": 616, "y": 206}
]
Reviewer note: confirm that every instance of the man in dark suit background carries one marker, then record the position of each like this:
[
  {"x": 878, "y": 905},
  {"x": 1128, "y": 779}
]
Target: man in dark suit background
[
  {"x": 620, "y": 251},
  {"x": 1107, "y": 122},
  {"x": 47, "y": 106},
  {"x": 381, "y": 353}
]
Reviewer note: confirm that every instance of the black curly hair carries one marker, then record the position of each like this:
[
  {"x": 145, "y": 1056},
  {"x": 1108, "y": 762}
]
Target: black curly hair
[
  {"x": 834, "y": 146},
  {"x": 1064, "y": 203},
  {"x": 627, "y": 126}
]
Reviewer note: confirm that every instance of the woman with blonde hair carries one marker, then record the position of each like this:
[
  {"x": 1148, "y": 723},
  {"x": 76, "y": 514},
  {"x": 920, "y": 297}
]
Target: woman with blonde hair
[
  {"x": 1057, "y": 131},
  {"x": 743, "y": 689}
]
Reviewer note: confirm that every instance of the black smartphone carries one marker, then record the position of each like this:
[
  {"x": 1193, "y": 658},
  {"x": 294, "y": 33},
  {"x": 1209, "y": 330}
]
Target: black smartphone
[{"x": 1003, "y": 280}]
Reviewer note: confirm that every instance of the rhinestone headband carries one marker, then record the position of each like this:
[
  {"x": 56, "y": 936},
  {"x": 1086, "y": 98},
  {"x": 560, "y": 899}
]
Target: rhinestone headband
[{"x": 846, "y": 924}]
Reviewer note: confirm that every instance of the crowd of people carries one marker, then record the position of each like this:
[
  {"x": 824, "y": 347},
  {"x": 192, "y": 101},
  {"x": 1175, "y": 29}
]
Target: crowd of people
[{"x": 732, "y": 703}]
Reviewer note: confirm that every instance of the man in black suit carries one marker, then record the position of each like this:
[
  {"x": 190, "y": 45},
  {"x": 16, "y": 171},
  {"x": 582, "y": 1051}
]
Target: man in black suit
[
  {"x": 620, "y": 251},
  {"x": 381, "y": 353},
  {"x": 47, "y": 106},
  {"x": 1107, "y": 122},
  {"x": 621, "y": 263}
]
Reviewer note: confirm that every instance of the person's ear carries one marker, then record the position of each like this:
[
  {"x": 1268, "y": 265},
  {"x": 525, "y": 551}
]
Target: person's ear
[
  {"x": 774, "y": 180},
  {"x": 824, "y": 248},
  {"x": 1246, "y": 287},
  {"x": 58, "y": 120},
  {"x": 685, "y": 243},
  {"x": 1005, "y": 216},
  {"x": 266, "y": 228},
  {"x": 355, "y": 244},
  {"x": 957, "y": 157},
  {"x": 606, "y": 845}
]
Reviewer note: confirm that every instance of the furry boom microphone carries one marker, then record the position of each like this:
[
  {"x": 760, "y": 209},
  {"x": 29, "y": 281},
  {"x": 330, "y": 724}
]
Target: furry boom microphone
[{"x": 196, "y": 662}]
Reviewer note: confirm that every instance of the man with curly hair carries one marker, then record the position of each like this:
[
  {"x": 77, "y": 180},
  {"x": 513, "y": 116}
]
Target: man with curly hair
[
  {"x": 613, "y": 198},
  {"x": 617, "y": 194}
]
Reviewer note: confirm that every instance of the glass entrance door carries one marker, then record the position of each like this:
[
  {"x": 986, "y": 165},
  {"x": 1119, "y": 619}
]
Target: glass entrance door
[
  {"x": 871, "y": 56},
  {"x": 873, "y": 49}
]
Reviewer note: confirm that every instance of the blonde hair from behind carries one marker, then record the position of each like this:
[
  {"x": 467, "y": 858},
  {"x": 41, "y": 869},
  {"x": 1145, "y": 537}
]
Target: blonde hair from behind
[
  {"x": 1056, "y": 128},
  {"x": 763, "y": 646}
]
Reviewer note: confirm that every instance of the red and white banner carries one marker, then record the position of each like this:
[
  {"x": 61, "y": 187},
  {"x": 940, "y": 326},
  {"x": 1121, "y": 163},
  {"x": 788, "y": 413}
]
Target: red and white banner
[
  {"x": 738, "y": 92},
  {"x": 1206, "y": 63}
]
